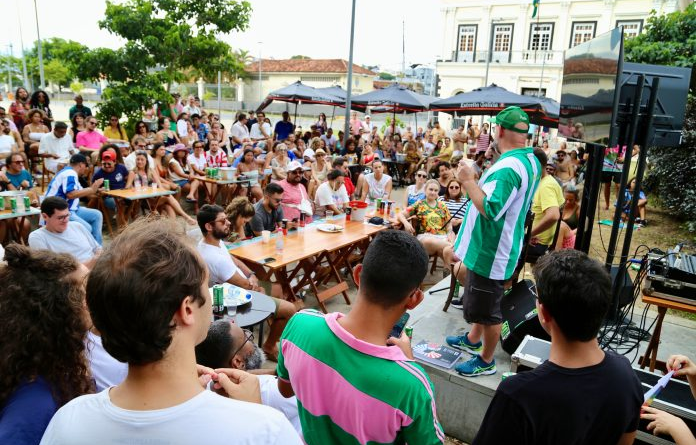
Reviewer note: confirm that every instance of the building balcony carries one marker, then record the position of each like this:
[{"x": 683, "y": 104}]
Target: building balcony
[{"x": 525, "y": 57}]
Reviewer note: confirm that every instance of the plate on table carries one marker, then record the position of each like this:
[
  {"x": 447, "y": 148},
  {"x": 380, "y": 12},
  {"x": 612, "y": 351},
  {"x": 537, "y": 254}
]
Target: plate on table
[{"x": 329, "y": 228}]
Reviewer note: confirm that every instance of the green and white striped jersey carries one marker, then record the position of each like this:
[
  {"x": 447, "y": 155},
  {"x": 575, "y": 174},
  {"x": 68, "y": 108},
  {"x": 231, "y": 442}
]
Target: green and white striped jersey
[{"x": 490, "y": 243}]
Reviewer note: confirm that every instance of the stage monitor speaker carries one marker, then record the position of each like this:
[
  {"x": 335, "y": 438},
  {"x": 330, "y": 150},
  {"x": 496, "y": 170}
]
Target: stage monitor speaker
[
  {"x": 624, "y": 291},
  {"x": 518, "y": 307}
]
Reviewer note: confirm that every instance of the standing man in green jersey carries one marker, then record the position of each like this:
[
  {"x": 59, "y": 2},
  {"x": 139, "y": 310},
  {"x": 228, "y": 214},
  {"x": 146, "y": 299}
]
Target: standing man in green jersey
[{"x": 490, "y": 239}]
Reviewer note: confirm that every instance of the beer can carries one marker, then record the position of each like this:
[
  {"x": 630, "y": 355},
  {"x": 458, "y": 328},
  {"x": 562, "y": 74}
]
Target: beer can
[
  {"x": 383, "y": 208},
  {"x": 2, "y": 203},
  {"x": 389, "y": 206},
  {"x": 218, "y": 297},
  {"x": 302, "y": 219},
  {"x": 409, "y": 332},
  {"x": 507, "y": 374},
  {"x": 216, "y": 173},
  {"x": 207, "y": 172},
  {"x": 13, "y": 204},
  {"x": 378, "y": 205},
  {"x": 27, "y": 203},
  {"x": 107, "y": 185},
  {"x": 348, "y": 212}
]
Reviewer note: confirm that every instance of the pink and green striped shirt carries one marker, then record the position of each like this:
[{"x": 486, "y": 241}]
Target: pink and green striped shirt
[{"x": 350, "y": 392}]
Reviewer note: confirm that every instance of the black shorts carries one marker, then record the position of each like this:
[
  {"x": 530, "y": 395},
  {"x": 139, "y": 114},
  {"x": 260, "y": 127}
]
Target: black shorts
[
  {"x": 608, "y": 177},
  {"x": 482, "y": 298}
]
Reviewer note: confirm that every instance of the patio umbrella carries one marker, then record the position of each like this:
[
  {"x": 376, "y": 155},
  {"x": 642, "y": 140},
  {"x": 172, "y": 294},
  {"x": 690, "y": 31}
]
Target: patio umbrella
[
  {"x": 485, "y": 101},
  {"x": 393, "y": 98},
  {"x": 336, "y": 91},
  {"x": 547, "y": 115},
  {"x": 300, "y": 93}
]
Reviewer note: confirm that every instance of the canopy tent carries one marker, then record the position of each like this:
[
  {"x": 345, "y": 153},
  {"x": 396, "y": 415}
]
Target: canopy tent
[
  {"x": 394, "y": 98},
  {"x": 547, "y": 115},
  {"x": 492, "y": 99},
  {"x": 300, "y": 93},
  {"x": 336, "y": 91}
]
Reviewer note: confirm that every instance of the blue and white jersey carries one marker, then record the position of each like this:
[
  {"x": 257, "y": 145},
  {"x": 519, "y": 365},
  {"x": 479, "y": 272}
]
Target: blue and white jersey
[{"x": 64, "y": 182}]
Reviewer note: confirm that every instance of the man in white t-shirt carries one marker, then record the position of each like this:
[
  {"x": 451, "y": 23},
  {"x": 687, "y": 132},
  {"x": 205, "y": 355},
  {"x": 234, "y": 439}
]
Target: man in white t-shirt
[
  {"x": 163, "y": 398},
  {"x": 56, "y": 145},
  {"x": 63, "y": 236},
  {"x": 229, "y": 346},
  {"x": 223, "y": 268},
  {"x": 331, "y": 195},
  {"x": 191, "y": 108},
  {"x": 330, "y": 140},
  {"x": 261, "y": 131},
  {"x": 240, "y": 132}
]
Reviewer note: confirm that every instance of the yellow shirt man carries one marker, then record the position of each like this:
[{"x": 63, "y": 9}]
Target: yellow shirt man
[{"x": 549, "y": 194}]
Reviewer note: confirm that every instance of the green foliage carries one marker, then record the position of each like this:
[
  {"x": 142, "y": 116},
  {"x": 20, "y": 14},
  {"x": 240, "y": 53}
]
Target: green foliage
[
  {"x": 668, "y": 39},
  {"x": 56, "y": 72},
  {"x": 674, "y": 170},
  {"x": 63, "y": 52},
  {"x": 77, "y": 87},
  {"x": 386, "y": 76},
  {"x": 388, "y": 121},
  {"x": 167, "y": 41},
  {"x": 299, "y": 57},
  {"x": 671, "y": 40},
  {"x": 14, "y": 65}
]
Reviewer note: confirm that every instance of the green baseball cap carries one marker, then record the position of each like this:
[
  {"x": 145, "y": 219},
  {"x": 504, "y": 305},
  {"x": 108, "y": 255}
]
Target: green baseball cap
[{"x": 510, "y": 117}]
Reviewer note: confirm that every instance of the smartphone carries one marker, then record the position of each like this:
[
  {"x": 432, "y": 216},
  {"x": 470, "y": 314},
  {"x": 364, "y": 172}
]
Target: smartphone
[
  {"x": 267, "y": 260},
  {"x": 399, "y": 326}
]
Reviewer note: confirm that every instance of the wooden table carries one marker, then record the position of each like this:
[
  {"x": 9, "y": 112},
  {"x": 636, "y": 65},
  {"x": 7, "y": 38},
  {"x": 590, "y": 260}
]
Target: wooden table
[
  {"x": 308, "y": 248},
  {"x": 14, "y": 229},
  {"x": 662, "y": 305},
  {"x": 224, "y": 183},
  {"x": 133, "y": 197},
  {"x": 256, "y": 312}
]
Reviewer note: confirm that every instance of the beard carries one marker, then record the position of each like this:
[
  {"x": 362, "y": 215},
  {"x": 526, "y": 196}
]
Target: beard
[
  {"x": 255, "y": 360},
  {"x": 221, "y": 234}
]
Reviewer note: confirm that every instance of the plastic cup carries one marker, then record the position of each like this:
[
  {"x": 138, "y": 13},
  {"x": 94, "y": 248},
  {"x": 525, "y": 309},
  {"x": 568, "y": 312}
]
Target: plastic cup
[
  {"x": 329, "y": 214},
  {"x": 266, "y": 236}
]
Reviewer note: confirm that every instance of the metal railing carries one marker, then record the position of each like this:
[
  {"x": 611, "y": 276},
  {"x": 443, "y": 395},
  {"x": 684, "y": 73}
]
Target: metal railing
[{"x": 528, "y": 56}]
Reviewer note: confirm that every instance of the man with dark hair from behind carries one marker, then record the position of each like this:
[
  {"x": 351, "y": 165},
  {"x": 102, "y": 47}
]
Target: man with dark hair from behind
[
  {"x": 151, "y": 315},
  {"x": 582, "y": 394},
  {"x": 229, "y": 346},
  {"x": 354, "y": 383}
]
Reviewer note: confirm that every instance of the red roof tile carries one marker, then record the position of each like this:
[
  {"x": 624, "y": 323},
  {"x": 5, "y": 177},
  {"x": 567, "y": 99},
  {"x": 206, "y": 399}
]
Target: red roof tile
[{"x": 306, "y": 66}]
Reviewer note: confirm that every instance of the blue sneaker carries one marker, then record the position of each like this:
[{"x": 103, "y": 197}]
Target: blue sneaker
[
  {"x": 462, "y": 342},
  {"x": 475, "y": 367}
]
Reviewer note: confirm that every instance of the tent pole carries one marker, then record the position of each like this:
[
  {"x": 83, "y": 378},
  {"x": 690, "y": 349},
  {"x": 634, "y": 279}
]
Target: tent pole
[
  {"x": 332, "y": 115},
  {"x": 295, "y": 121}
]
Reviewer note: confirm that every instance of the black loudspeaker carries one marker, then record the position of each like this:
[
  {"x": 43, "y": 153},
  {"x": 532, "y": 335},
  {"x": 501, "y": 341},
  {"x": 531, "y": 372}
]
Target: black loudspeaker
[
  {"x": 622, "y": 291},
  {"x": 518, "y": 307}
]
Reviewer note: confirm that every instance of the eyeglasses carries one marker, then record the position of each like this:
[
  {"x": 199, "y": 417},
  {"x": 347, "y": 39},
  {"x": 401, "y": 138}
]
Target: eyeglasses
[
  {"x": 18, "y": 162},
  {"x": 276, "y": 200},
  {"x": 248, "y": 336},
  {"x": 62, "y": 217},
  {"x": 224, "y": 220}
]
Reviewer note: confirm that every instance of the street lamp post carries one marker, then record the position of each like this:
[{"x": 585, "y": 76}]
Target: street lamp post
[
  {"x": 349, "y": 90},
  {"x": 260, "y": 79},
  {"x": 38, "y": 36}
]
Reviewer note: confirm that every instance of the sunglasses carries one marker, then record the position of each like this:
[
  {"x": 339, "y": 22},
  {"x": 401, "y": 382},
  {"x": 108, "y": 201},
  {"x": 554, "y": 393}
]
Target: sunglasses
[
  {"x": 454, "y": 187},
  {"x": 420, "y": 175}
]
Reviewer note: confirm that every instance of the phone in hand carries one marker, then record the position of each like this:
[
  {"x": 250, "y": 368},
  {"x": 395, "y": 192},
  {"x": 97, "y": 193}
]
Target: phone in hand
[{"x": 400, "y": 325}]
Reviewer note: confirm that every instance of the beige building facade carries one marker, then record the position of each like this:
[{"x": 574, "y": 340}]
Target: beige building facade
[
  {"x": 527, "y": 53},
  {"x": 270, "y": 75}
]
